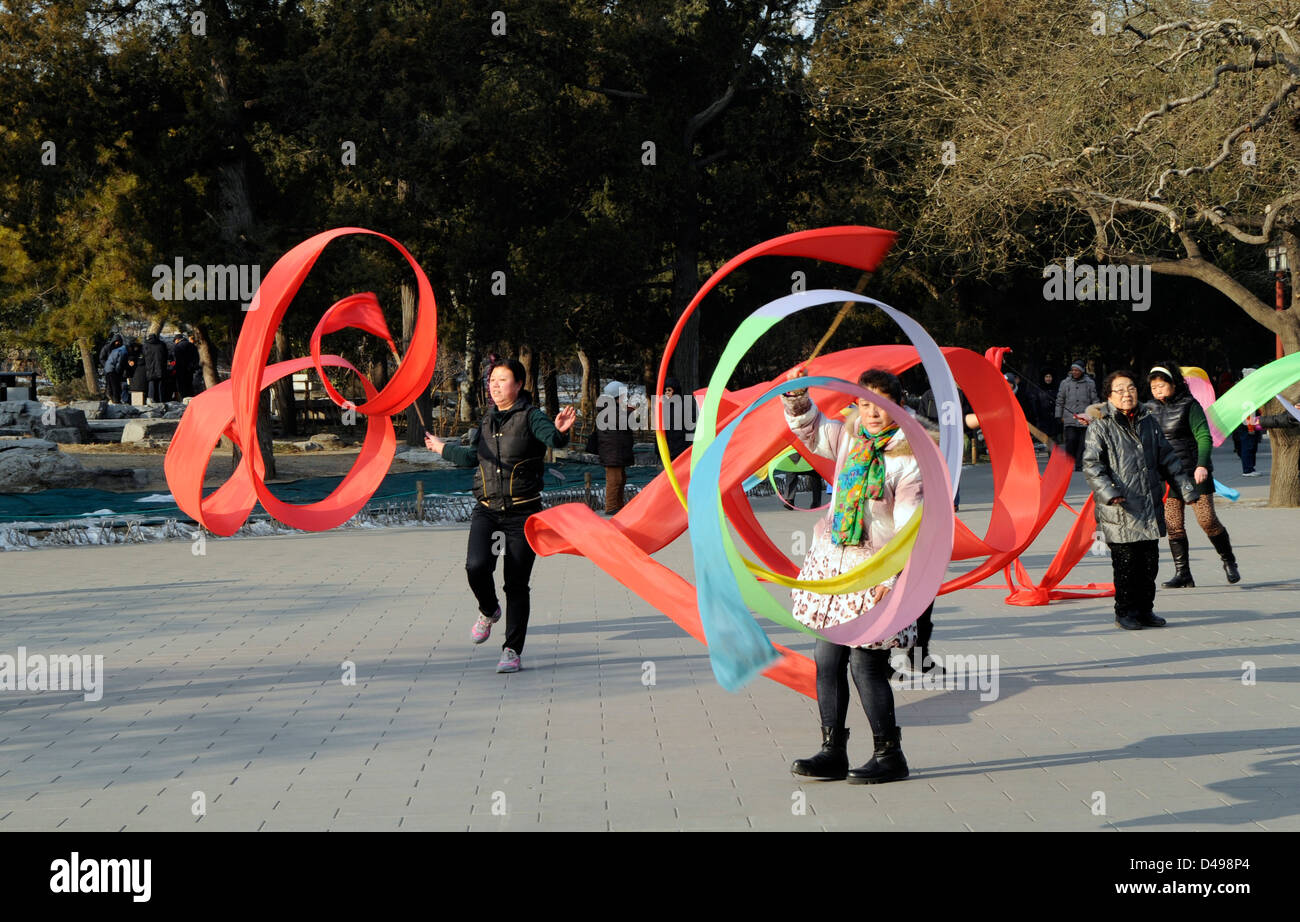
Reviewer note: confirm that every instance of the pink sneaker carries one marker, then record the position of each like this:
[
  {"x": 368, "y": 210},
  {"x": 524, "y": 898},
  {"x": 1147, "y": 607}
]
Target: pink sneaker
[
  {"x": 483, "y": 626},
  {"x": 509, "y": 661}
]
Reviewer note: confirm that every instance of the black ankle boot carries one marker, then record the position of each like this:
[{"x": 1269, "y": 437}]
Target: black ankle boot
[
  {"x": 832, "y": 763},
  {"x": 887, "y": 763},
  {"x": 1127, "y": 620},
  {"x": 1182, "y": 566},
  {"x": 1224, "y": 546}
]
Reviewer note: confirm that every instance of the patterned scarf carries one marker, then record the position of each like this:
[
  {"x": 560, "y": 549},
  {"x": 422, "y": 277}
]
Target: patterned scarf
[{"x": 861, "y": 479}]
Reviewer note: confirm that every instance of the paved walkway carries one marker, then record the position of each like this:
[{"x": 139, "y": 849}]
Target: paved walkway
[{"x": 223, "y": 691}]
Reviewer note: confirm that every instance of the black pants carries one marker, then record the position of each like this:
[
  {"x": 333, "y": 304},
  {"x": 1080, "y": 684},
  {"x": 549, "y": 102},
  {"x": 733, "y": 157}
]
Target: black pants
[
  {"x": 1073, "y": 437},
  {"x": 493, "y": 534},
  {"x": 871, "y": 674},
  {"x": 1135, "y": 566},
  {"x": 156, "y": 390},
  {"x": 113, "y": 381},
  {"x": 791, "y": 488}
]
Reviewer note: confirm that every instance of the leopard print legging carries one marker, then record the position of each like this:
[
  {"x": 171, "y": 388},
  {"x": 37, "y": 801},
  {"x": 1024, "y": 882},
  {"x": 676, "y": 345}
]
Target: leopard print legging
[{"x": 1205, "y": 517}]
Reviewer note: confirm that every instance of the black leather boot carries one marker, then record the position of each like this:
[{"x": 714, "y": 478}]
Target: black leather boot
[
  {"x": 1224, "y": 546},
  {"x": 887, "y": 763},
  {"x": 1182, "y": 566},
  {"x": 1128, "y": 621},
  {"x": 832, "y": 763}
]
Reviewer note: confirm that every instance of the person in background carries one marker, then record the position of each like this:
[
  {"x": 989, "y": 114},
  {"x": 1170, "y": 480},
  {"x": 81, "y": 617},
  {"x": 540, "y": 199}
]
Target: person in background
[
  {"x": 508, "y": 448},
  {"x": 1076, "y": 394},
  {"x": 1248, "y": 436},
  {"x": 155, "y": 366},
  {"x": 1127, "y": 461},
  {"x": 674, "y": 416},
  {"x": 109, "y": 345},
  {"x": 197, "y": 384},
  {"x": 114, "y": 366},
  {"x": 612, "y": 439},
  {"x": 1047, "y": 420},
  {"x": 135, "y": 372},
  {"x": 1183, "y": 422},
  {"x": 187, "y": 360}
]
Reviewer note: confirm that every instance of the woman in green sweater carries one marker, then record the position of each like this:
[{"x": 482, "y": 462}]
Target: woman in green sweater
[{"x": 1184, "y": 425}]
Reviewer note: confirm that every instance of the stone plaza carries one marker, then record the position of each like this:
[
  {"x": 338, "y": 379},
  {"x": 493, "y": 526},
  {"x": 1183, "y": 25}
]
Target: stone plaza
[{"x": 327, "y": 682}]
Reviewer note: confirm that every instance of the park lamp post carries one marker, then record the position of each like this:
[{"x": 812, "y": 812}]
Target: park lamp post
[{"x": 1278, "y": 266}]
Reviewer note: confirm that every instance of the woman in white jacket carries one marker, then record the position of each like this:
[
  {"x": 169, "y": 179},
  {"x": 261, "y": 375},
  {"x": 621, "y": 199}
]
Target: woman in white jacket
[{"x": 876, "y": 489}]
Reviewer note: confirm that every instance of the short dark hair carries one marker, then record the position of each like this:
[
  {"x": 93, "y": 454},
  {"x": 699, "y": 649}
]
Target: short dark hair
[
  {"x": 883, "y": 381},
  {"x": 516, "y": 368},
  {"x": 1108, "y": 381}
]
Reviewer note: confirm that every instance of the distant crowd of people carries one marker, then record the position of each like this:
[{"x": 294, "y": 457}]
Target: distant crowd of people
[{"x": 161, "y": 371}]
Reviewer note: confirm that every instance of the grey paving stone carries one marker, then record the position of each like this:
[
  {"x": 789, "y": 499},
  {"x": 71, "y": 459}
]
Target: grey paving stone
[{"x": 225, "y": 677}]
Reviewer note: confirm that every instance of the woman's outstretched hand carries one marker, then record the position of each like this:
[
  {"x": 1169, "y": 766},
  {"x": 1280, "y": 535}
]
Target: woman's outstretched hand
[{"x": 564, "y": 420}]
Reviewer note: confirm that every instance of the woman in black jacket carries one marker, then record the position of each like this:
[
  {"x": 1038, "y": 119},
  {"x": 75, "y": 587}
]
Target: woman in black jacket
[
  {"x": 508, "y": 450},
  {"x": 1127, "y": 461},
  {"x": 155, "y": 366},
  {"x": 1184, "y": 425}
]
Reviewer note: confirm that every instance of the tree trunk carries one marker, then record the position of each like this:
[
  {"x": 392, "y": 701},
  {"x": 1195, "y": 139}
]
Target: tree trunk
[
  {"x": 649, "y": 372},
  {"x": 88, "y": 367},
  {"x": 1284, "y": 483},
  {"x": 529, "y": 359},
  {"x": 156, "y": 323},
  {"x": 264, "y": 436},
  {"x": 206, "y": 359},
  {"x": 419, "y": 415},
  {"x": 686, "y": 282},
  {"x": 551, "y": 385},
  {"x": 590, "y": 385},
  {"x": 285, "y": 407},
  {"x": 469, "y": 385}
]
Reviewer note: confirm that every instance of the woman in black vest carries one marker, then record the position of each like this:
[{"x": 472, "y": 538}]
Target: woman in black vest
[
  {"x": 1184, "y": 425},
  {"x": 508, "y": 448}
]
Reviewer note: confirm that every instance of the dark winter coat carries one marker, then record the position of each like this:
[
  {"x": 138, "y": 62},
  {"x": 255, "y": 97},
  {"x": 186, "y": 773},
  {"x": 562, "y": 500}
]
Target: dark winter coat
[
  {"x": 135, "y": 366},
  {"x": 675, "y": 415},
  {"x": 108, "y": 350},
  {"x": 1183, "y": 422},
  {"x": 1130, "y": 457},
  {"x": 613, "y": 445},
  {"x": 1279, "y": 421},
  {"x": 1074, "y": 397},
  {"x": 115, "y": 364},
  {"x": 155, "y": 357},
  {"x": 187, "y": 358}
]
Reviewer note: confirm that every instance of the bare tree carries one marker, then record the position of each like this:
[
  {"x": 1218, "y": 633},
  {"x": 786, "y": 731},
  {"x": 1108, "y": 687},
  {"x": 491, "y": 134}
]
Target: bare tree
[{"x": 1152, "y": 134}]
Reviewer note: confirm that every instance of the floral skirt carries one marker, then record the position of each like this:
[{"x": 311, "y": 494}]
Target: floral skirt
[{"x": 818, "y": 610}]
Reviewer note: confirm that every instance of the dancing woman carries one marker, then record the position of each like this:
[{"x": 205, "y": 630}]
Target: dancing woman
[
  {"x": 1185, "y": 427},
  {"x": 875, "y": 490}
]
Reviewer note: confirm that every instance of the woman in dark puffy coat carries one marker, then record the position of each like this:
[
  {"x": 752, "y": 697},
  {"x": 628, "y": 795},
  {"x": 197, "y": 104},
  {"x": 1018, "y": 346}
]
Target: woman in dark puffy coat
[
  {"x": 155, "y": 366},
  {"x": 1183, "y": 422},
  {"x": 1126, "y": 461}
]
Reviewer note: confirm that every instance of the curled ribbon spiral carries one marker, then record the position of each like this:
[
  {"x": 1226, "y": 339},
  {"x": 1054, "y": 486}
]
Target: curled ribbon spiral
[{"x": 230, "y": 408}]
